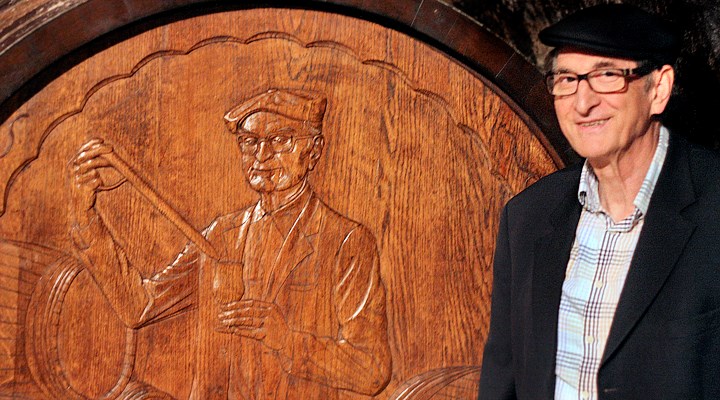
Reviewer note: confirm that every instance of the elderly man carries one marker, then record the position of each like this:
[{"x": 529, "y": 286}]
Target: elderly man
[
  {"x": 294, "y": 307},
  {"x": 606, "y": 273}
]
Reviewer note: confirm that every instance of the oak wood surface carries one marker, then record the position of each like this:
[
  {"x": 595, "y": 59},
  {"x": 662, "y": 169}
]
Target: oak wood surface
[{"x": 419, "y": 151}]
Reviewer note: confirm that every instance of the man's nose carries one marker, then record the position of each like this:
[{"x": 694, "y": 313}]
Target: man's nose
[
  {"x": 585, "y": 98},
  {"x": 264, "y": 152}
]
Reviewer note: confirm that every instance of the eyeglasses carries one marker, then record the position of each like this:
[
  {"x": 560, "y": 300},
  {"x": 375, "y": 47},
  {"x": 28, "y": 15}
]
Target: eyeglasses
[
  {"x": 604, "y": 80},
  {"x": 279, "y": 143}
]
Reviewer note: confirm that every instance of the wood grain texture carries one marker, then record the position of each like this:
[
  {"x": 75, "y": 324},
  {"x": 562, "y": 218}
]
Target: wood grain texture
[{"x": 419, "y": 150}]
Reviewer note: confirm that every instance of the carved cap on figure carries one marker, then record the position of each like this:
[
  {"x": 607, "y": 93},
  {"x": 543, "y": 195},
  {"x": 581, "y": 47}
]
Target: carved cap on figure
[{"x": 302, "y": 105}]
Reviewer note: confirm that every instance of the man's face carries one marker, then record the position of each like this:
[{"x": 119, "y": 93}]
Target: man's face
[
  {"x": 604, "y": 127},
  {"x": 275, "y": 166}
]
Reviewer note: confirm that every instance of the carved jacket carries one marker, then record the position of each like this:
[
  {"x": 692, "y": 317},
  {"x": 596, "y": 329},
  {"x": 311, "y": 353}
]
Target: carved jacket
[
  {"x": 664, "y": 342},
  {"x": 320, "y": 268}
]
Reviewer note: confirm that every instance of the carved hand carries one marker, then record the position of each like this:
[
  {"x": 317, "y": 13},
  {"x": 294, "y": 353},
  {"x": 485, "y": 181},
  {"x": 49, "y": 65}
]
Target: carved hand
[
  {"x": 85, "y": 179},
  {"x": 255, "y": 319}
]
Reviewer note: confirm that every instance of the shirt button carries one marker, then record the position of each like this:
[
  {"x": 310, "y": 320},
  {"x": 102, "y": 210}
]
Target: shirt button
[
  {"x": 584, "y": 395},
  {"x": 589, "y": 339},
  {"x": 599, "y": 284}
]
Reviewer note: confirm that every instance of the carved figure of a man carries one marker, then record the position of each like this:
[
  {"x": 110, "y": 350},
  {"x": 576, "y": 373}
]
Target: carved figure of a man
[{"x": 304, "y": 315}]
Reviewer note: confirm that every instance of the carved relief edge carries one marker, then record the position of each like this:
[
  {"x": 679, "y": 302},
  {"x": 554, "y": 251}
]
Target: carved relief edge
[{"x": 268, "y": 35}]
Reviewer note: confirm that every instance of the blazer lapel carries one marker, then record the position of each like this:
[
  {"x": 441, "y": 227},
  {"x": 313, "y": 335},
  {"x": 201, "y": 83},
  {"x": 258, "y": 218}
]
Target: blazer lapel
[
  {"x": 296, "y": 247},
  {"x": 552, "y": 252},
  {"x": 662, "y": 240}
]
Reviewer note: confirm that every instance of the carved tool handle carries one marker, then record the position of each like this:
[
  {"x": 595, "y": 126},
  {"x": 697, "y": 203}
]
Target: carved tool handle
[{"x": 146, "y": 190}]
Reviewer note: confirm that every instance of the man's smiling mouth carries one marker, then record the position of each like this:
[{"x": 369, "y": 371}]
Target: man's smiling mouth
[{"x": 594, "y": 123}]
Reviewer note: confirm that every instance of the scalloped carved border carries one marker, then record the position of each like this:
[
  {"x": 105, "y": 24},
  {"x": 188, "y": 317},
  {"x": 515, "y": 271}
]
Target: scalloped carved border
[
  {"x": 28, "y": 52},
  {"x": 258, "y": 37}
]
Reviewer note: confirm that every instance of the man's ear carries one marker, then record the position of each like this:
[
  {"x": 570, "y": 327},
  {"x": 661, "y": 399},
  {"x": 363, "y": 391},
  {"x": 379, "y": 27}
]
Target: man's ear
[
  {"x": 316, "y": 152},
  {"x": 664, "y": 79}
]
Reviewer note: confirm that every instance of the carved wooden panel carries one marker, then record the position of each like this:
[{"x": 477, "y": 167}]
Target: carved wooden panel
[{"x": 374, "y": 280}]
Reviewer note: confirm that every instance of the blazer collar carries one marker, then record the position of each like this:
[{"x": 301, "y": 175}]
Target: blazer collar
[
  {"x": 288, "y": 216},
  {"x": 662, "y": 240},
  {"x": 297, "y": 246}
]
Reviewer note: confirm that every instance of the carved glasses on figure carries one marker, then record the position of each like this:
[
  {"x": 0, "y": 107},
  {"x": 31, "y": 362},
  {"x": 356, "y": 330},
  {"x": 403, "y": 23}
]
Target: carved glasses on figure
[
  {"x": 603, "y": 80},
  {"x": 249, "y": 143}
]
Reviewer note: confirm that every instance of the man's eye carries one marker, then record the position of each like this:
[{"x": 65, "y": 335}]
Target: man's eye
[
  {"x": 610, "y": 74},
  {"x": 564, "y": 79},
  {"x": 249, "y": 140},
  {"x": 280, "y": 139}
]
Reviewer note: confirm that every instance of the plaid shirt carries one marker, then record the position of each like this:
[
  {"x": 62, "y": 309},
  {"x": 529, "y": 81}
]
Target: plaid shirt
[{"x": 599, "y": 262}]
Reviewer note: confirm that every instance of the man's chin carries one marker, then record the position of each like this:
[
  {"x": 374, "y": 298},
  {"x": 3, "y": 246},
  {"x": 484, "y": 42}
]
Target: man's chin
[{"x": 262, "y": 185}]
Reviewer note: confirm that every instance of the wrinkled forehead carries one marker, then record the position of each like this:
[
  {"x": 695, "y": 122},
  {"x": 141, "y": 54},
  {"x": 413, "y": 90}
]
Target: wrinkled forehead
[{"x": 267, "y": 123}]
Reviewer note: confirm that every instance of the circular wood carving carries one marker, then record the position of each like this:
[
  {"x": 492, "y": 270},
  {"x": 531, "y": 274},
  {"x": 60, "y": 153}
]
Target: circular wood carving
[{"x": 420, "y": 151}]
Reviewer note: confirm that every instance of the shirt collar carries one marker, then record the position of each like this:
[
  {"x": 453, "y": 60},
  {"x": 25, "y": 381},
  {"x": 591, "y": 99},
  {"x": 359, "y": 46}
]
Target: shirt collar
[
  {"x": 589, "y": 196},
  {"x": 285, "y": 216}
]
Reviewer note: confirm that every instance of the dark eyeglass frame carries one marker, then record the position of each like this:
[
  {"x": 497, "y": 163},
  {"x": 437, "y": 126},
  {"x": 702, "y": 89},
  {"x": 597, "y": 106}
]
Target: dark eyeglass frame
[
  {"x": 253, "y": 148},
  {"x": 626, "y": 74}
]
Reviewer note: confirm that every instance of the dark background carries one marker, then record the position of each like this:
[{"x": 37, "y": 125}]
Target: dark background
[{"x": 692, "y": 111}]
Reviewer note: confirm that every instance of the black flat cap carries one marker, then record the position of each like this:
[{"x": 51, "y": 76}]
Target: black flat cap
[{"x": 616, "y": 30}]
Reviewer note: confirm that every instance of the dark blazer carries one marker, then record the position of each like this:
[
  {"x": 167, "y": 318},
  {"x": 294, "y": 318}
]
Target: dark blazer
[{"x": 665, "y": 339}]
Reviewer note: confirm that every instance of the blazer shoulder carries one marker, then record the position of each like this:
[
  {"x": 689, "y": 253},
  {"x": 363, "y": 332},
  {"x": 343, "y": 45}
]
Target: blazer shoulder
[
  {"x": 341, "y": 230},
  {"x": 334, "y": 219}
]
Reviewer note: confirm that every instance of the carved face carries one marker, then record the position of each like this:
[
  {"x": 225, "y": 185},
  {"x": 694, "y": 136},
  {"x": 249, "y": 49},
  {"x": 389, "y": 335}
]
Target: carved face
[{"x": 277, "y": 152}]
